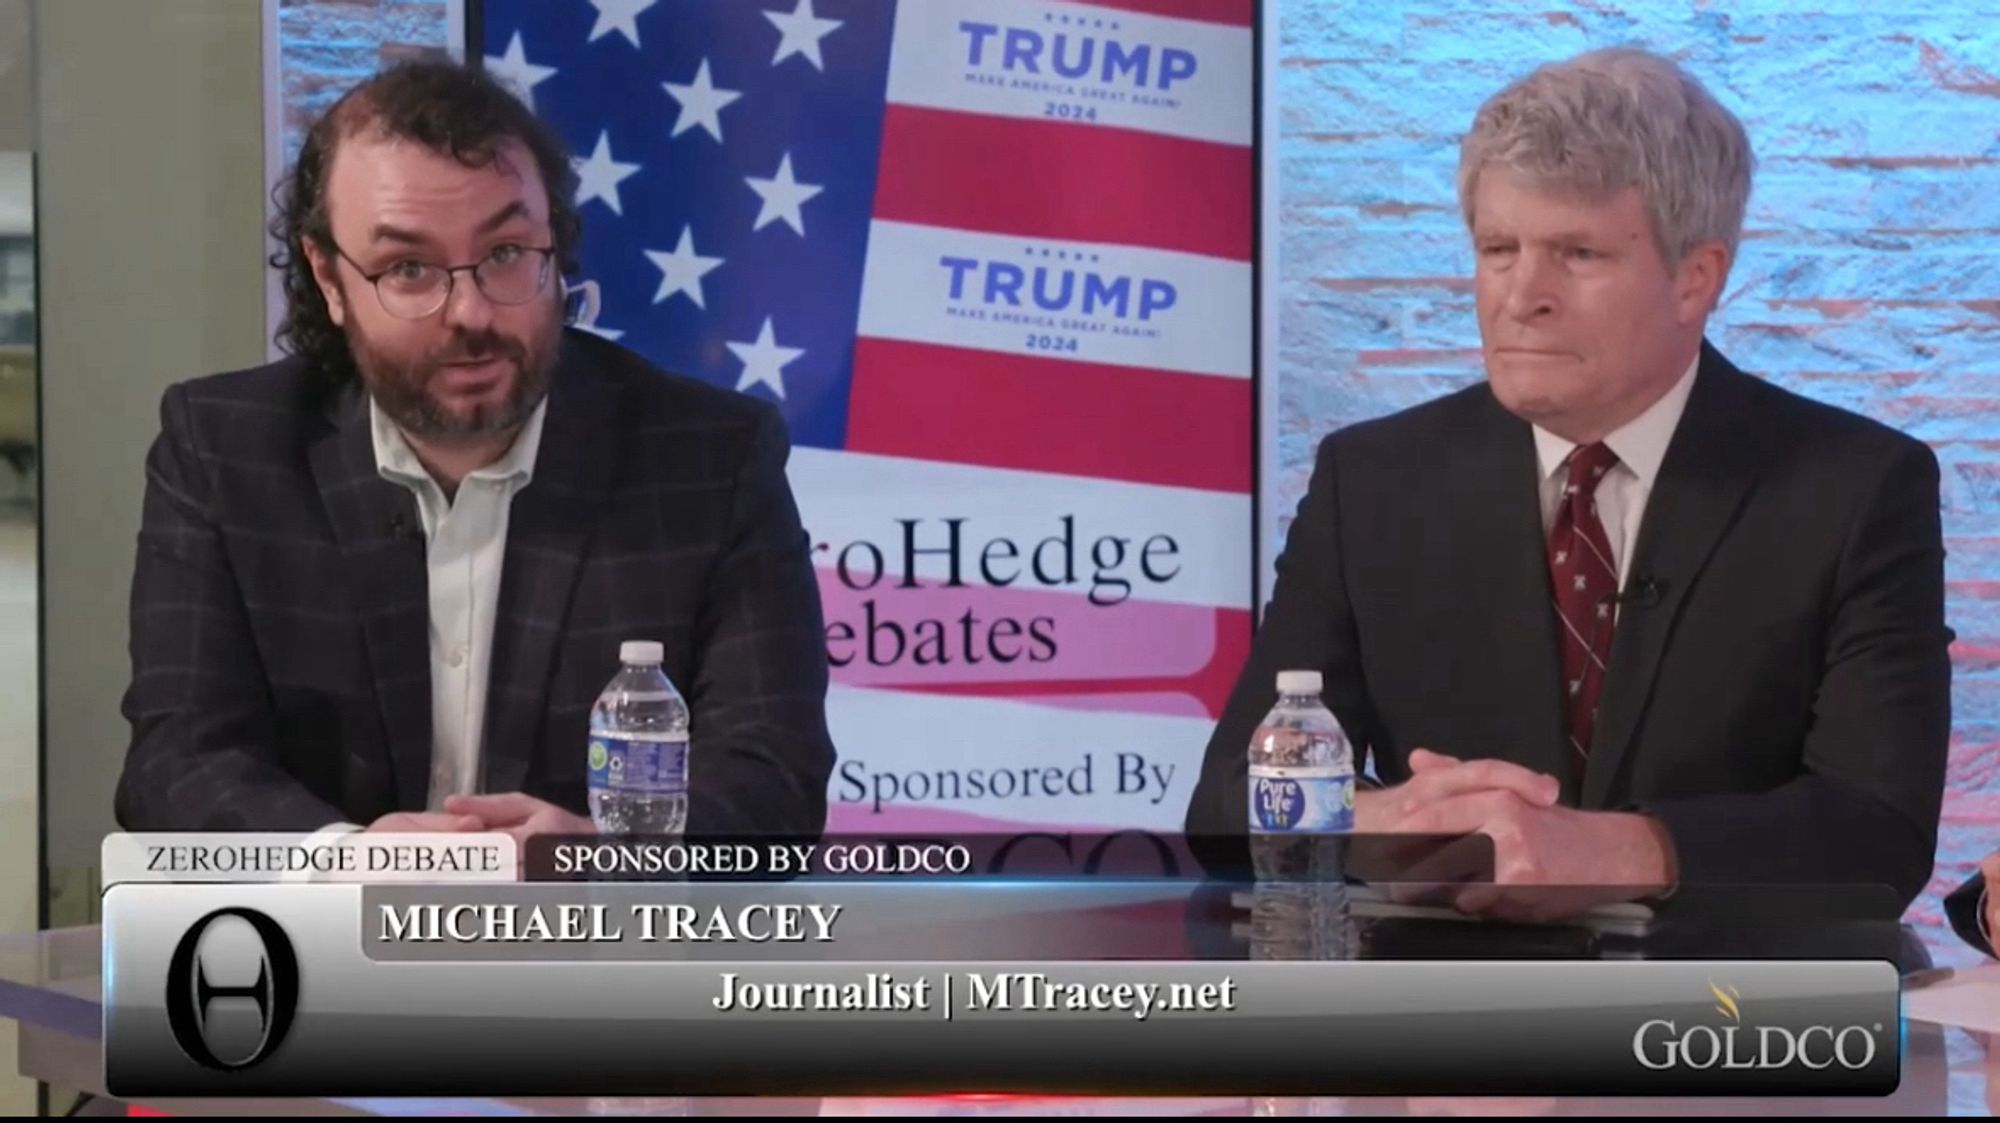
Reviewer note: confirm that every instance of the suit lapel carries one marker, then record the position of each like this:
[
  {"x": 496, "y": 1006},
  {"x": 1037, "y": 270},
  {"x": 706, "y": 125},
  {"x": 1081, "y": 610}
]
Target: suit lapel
[
  {"x": 1711, "y": 465},
  {"x": 548, "y": 533},
  {"x": 1507, "y": 553},
  {"x": 380, "y": 536}
]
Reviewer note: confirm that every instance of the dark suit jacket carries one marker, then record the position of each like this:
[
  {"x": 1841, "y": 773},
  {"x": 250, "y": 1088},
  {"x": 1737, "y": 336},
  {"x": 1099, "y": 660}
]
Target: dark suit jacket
[
  {"x": 1963, "y": 906},
  {"x": 1779, "y": 689},
  {"x": 280, "y": 620}
]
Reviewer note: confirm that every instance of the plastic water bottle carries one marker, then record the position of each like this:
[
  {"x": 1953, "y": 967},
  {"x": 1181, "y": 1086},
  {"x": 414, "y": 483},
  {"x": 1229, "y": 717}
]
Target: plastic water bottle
[
  {"x": 638, "y": 748},
  {"x": 1301, "y": 793}
]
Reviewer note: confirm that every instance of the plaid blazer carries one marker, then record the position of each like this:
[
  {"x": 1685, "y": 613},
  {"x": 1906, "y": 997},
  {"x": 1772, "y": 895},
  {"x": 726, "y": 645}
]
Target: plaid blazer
[{"x": 280, "y": 605}]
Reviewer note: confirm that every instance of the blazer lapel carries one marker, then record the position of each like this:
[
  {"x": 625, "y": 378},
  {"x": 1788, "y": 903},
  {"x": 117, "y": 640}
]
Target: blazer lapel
[
  {"x": 381, "y": 540},
  {"x": 1508, "y": 554},
  {"x": 1710, "y": 467},
  {"x": 548, "y": 533}
]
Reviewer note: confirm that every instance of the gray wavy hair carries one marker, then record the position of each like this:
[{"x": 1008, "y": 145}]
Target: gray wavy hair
[{"x": 1608, "y": 120}]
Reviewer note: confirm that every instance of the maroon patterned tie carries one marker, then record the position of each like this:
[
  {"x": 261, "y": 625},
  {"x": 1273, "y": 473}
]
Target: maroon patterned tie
[{"x": 1585, "y": 581}]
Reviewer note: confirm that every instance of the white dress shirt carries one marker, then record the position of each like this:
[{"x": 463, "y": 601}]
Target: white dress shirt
[
  {"x": 465, "y": 540},
  {"x": 1640, "y": 444}
]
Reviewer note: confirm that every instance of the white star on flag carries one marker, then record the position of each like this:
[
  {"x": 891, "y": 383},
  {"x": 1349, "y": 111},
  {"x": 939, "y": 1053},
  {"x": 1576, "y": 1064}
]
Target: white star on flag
[
  {"x": 621, "y": 16},
  {"x": 783, "y": 196},
  {"x": 802, "y": 32},
  {"x": 764, "y": 361},
  {"x": 701, "y": 102},
  {"x": 682, "y": 270},
  {"x": 599, "y": 176},
  {"x": 514, "y": 70}
]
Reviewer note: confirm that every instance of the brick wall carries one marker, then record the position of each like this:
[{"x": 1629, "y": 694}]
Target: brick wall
[
  {"x": 329, "y": 45},
  {"x": 1870, "y": 275},
  {"x": 1869, "y": 278}
]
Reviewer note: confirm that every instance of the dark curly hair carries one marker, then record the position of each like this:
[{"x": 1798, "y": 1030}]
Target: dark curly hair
[{"x": 448, "y": 108}]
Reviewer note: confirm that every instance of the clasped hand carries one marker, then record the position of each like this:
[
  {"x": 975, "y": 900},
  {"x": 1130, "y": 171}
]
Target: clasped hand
[
  {"x": 513, "y": 813},
  {"x": 1549, "y": 862}
]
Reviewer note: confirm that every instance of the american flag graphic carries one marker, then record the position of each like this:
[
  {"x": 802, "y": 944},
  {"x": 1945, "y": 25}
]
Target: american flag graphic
[{"x": 992, "y": 258}]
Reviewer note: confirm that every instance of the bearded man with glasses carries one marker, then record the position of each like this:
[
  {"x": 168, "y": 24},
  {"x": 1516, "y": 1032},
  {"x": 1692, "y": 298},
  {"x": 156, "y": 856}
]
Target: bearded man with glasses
[{"x": 381, "y": 582}]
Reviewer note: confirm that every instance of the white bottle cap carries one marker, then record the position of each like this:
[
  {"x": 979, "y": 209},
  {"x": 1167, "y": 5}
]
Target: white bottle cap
[
  {"x": 1299, "y": 682},
  {"x": 642, "y": 652}
]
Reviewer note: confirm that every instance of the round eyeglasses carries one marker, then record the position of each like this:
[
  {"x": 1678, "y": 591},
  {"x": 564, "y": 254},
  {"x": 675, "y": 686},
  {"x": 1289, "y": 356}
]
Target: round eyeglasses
[{"x": 412, "y": 289}]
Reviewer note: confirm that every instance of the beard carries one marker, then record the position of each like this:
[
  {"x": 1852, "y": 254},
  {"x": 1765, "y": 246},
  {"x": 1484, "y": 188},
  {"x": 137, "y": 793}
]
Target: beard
[{"x": 401, "y": 387}]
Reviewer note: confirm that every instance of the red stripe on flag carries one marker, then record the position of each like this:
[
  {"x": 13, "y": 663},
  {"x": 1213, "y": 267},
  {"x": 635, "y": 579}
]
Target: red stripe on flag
[
  {"x": 1047, "y": 415},
  {"x": 1235, "y": 13},
  {"x": 1055, "y": 179}
]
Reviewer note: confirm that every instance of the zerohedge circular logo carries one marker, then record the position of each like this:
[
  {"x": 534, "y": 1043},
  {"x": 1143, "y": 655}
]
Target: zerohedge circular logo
[{"x": 190, "y": 993}]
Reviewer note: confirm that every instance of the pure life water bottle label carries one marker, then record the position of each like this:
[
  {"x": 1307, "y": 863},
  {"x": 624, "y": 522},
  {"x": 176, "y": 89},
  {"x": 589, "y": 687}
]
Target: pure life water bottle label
[
  {"x": 640, "y": 765},
  {"x": 1315, "y": 800}
]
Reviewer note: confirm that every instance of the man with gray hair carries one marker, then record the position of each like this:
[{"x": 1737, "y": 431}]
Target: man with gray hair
[{"x": 1643, "y": 619}]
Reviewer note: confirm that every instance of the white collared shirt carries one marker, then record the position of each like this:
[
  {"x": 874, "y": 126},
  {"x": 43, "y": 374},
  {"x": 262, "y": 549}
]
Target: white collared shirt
[
  {"x": 465, "y": 540},
  {"x": 1641, "y": 445}
]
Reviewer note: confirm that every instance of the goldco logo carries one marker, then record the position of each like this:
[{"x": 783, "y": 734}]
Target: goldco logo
[
  {"x": 274, "y": 991},
  {"x": 1661, "y": 1044}
]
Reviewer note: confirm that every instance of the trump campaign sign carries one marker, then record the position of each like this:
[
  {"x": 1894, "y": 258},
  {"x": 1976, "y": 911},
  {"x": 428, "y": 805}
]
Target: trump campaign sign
[{"x": 992, "y": 259}]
